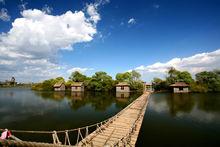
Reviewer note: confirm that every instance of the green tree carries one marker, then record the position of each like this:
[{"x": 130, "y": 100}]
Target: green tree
[
  {"x": 100, "y": 81},
  {"x": 135, "y": 75},
  {"x": 76, "y": 76},
  {"x": 47, "y": 85},
  {"x": 68, "y": 84},
  {"x": 172, "y": 75},
  {"x": 198, "y": 87},
  {"x": 136, "y": 85},
  {"x": 124, "y": 77},
  {"x": 184, "y": 77},
  {"x": 178, "y": 76},
  {"x": 209, "y": 79},
  {"x": 159, "y": 84},
  {"x": 58, "y": 79}
]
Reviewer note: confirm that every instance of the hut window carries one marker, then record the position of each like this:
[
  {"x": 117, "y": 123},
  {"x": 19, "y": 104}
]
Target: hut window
[
  {"x": 180, "y": 88},
  {"x": 122, "y": 87},
  {"x": 76, "y": 87}
]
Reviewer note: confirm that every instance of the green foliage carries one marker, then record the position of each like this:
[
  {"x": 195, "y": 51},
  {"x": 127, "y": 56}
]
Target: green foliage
[
  {"x": 206, "y": 81},
  {"x": 37, "y": 86},
  {"x": 124, "y": 77},
  {"x": 210, "y": 80},
  {"x": 198, "y": 87},
  {"x": 184, "y": 77},
  {"x": 136, "y": 85},
  {"x": 68, "y": 84},
  {"x": 100, "y": 81},
  {"x": 172, "y": 76},
  {"x": 47, "y": 85},
  {"x": 133, "y": 78},
  {"x": 77, "y": 77},
  {"x": 159, "y": 84},
  {"x": 178, "y": 76},
  {"x": 135, "y": 75}
]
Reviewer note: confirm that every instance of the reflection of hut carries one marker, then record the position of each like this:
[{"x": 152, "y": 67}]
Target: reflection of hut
[
  {"x": 123, "y": 87},
  {"x": 180, "y": 87},
  {"x": 148, "y": 87},
  {"x": 77, "y": 95},
  {"x": 60, "y": 86},
  {"x": 59, "y": 95},
  {"x": 122, "y": 94},
  {"x": 77, "y": 86}
]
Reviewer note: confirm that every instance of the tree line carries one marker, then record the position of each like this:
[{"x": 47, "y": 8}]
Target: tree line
[
  {"x": 205, "y": 81},
  {"x": 100, "y": 81}
]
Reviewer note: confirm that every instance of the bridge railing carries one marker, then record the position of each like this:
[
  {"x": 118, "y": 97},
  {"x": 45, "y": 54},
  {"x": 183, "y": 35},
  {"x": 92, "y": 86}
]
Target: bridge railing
[{"x": 82, "y": 132}]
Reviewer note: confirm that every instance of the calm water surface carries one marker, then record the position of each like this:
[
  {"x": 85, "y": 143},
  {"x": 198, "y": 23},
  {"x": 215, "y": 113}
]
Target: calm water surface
[
  {"x": 170, "y": 119},
  {"x": 181, "y": 120},
  {"x": 23, "y": 109}
]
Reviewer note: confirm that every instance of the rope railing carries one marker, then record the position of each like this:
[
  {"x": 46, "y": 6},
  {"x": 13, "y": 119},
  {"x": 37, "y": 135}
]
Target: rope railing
[
  {"x": 80, "y": 137},
  {"x": 128, "y": 135}
]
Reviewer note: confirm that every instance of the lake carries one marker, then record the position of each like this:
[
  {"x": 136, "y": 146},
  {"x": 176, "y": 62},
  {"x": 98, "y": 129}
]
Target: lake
[
  {"x": 170, "y": 119},
  {"x": 24, "y": 109},
  {"x": 181, "y": 120}
]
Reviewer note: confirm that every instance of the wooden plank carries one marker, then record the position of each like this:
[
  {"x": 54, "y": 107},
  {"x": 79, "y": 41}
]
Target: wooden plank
[{"x": 122, "y": 124}]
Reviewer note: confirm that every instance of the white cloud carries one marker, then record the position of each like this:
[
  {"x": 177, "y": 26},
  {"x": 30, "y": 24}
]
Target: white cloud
[
  {"x": 47, "y": 9},
  {"x": 194, "y": 64},
  {"x": 82, "y": 70},
  {"x": 4, "y": 15},
  {"x": 29, "y": 51},
  {"x": 92, "y": 11},
  {"x": 131, "y": 21}
]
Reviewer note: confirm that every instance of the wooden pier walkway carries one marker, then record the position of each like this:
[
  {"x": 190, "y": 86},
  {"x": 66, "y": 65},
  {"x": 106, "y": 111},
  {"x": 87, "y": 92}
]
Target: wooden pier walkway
[
  {"x": 123, "y": 130},
  {"x": 119, "y": 130}
]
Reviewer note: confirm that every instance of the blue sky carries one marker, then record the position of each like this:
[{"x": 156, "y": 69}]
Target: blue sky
[{"x": 146, "y": 35}]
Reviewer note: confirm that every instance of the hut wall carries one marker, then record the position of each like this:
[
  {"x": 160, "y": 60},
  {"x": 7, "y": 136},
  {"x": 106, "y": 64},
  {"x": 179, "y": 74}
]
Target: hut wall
[
  {"x": 120, "y": 89},
  {"x": 178, "y": 90},
  {"x": 77, "y": 88}
]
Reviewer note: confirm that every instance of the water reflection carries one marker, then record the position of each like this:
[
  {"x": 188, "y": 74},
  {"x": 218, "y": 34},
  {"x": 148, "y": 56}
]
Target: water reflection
[
  {"x": 100, "y": 101},
  {"x": 122, "y": 94},
  {"x": 180, "y": 103},
  {"x": 77, "y": 95},
  {"x": 76, "y": 100},
  {"x": 209, "y": 103},
  {"x": 23, "y": 108},
  {"x": 203, "y": 107}
]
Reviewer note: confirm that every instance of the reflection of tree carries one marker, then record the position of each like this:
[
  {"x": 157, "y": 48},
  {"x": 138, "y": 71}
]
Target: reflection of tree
[
  {"x": 76, "y": 103},
  {"x": 180, "y": 103},
  {"x": 209, "y": 102},
  {"x": 77, "y": 100},
  {"x": 101, "y": 100},
  {"x": 56, "y": 96},
  {"x": 123, "y": 102},
  {"x": 98, "y": 100}
]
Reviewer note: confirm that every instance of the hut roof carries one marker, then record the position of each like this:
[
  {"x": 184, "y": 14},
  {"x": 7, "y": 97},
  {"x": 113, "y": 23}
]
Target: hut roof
[
  {"x": 148, "y": 84},
  {"x": 122, "y": 84},
  {"x": 77, "y": 84},
  {"x": 58, "y": 84},
  {"x": 180, "y": 84}
]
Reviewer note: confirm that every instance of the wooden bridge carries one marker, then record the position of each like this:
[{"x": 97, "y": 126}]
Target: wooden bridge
[{"x": 119, "y": 130}]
